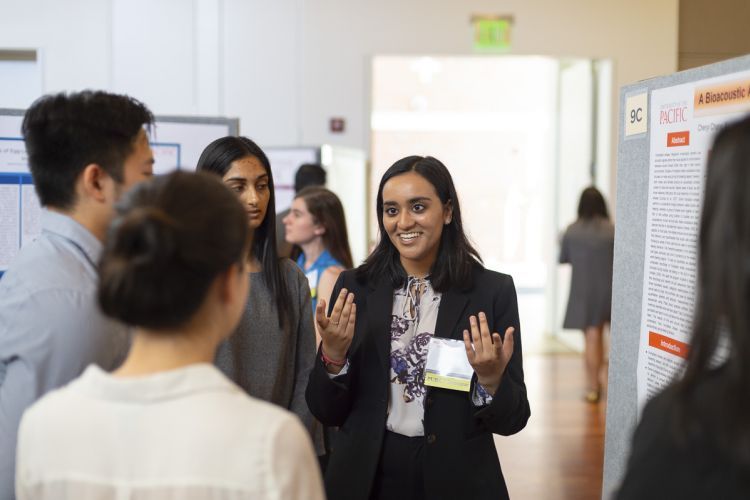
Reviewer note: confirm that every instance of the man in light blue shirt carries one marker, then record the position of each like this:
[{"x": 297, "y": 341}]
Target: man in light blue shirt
[{"x": 85, "y": 150}]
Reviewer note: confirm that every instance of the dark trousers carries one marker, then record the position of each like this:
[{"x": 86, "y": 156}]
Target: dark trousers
[{"x": 400, "y": 474}]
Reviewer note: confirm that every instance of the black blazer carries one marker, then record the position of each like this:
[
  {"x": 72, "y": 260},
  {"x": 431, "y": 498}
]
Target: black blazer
[
  {"x": 459, "y": 456},
  {"x": 661, "y": 466}
]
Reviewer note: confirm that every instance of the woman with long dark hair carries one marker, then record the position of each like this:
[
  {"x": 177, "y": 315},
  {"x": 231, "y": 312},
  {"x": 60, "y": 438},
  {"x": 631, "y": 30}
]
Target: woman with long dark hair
[
  {"x": 422, "y": 288},
  {"x": 269, "y": 353},
  {"x": 316, "y": 227},
  {"x": 588, "y": 246},
  {"x": 696, "y": 433},
  {"x": 167, "y": 423}
]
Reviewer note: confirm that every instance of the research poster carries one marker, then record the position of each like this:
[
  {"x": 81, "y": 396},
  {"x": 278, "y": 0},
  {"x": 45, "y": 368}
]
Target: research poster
[
  {"x": 20, "y": 212},
  {"x": 284, "y": 165},
  {"x": 684, "y": 120}
]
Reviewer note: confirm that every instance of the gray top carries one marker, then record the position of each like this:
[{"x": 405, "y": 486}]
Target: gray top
[
  {"x": 51, "y": 327},
  {"x": 588, "y": 245},
  {"x": 270, "y": 362}
]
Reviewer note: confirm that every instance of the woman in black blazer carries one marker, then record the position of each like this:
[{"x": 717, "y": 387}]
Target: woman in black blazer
[{"x": 399, "y": 438}]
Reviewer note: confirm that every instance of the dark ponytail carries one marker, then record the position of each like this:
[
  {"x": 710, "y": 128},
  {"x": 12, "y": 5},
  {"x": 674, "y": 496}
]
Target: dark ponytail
[{"x": 171, "y": 238}]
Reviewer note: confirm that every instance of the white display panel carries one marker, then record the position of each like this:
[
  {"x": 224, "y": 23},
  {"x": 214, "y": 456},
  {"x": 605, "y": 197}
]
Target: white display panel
[
  {"x": 284, "y": 164},
  {"x": 347, "y": 177},
  {"x": 178, "y": 141}
]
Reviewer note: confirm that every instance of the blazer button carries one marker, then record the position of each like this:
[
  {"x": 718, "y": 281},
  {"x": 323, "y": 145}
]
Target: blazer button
[{"x": 431, "y": 439}]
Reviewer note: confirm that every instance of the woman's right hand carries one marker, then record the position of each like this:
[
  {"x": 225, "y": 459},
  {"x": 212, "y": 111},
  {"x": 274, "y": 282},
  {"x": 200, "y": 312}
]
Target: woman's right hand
[{"x": 337, "y": 330}]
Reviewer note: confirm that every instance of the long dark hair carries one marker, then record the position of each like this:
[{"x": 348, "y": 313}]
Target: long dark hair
[
  {"x": 456, "y": 257},
  {"x": 326, "y": 209},
  {"x": 171, "y": 238},
  {"x": 217, "y": 158},
  {"x": 592, "y": 204},
  {"x": 723, "y": 302}
]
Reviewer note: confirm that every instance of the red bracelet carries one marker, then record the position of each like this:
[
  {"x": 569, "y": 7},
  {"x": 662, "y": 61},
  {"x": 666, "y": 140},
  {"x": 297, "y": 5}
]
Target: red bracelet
[{"x": 329, "y": 361}]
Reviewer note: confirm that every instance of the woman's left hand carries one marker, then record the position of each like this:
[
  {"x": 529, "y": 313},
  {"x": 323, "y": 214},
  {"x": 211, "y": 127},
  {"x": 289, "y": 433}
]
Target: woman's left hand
[{"x": 490, "y": 354}]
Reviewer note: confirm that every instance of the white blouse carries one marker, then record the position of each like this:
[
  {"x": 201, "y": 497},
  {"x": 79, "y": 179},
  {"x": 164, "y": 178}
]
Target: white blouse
[
  {"x": 413, "y": 319},
  {"x": 188, "y": 433}
]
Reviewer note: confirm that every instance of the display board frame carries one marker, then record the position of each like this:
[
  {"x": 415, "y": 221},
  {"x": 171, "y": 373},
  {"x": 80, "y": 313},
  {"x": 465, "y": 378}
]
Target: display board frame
[{"x": 634, "y": 151}]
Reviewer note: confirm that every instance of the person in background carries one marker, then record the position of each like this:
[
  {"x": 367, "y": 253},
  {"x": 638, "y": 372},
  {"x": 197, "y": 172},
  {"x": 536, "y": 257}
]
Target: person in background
[
  {"x": 696, "y": 432},
  {"x": 271, "y": 353},
  {"x": 401, "y": 439},
  {"x": 308, "y": 174},
  {"x": 316, "y": 227},
  {"x": 168, "y": 423},
  {"x": 588, "y": 245},
  {"x": 84, "y": 150}
]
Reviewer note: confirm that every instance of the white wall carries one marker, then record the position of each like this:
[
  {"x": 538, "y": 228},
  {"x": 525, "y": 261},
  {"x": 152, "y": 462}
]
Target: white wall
[
  {"x": 285, "y": 67},
  {"x": 72, "y": 37}
]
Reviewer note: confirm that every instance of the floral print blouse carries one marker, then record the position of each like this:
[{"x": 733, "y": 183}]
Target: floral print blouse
[{"x": 413, "y": 319}]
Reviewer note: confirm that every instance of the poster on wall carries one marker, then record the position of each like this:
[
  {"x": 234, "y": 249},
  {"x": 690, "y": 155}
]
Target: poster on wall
[
  {"x": 20, "y": 212},
  {"x": 684, "y": 120},
  {"x": 284, "y": 164}
]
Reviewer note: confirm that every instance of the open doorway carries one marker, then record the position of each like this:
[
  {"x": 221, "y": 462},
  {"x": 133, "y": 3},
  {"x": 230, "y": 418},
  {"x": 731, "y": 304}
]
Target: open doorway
[{"x": 522, "y": 136}]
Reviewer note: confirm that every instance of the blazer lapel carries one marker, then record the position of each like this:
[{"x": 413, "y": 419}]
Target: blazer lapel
[
  {"x": 380, "y": 309},
  {"x": 452, "y": 307}
]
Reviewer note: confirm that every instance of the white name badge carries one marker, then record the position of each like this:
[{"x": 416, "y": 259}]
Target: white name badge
[{"x": 447, "y": 366}]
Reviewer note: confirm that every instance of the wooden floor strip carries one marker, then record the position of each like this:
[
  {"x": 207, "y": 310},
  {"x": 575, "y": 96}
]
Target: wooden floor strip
[{"x": 560, "y": 453}]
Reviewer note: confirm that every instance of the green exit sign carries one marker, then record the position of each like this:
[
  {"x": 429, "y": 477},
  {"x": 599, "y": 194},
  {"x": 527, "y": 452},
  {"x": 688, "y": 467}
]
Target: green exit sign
[{"x": 492, "y": 33}]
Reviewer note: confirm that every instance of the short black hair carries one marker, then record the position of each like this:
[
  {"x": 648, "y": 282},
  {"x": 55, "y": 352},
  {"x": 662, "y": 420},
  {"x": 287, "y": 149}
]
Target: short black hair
[
  {"x": 309, "y": 174},
  {"x": 172, "y": 236},
  {"x": 65, "y": 132}
]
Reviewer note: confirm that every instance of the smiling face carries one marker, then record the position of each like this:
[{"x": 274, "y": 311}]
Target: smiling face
[
  {"x": 300, "y": 225},
  {"x": 249, "y": 180},
  {"x": 413, "y": 218}
]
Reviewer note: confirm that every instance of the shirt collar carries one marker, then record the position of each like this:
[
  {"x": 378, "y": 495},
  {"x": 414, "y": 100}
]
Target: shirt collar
[
  {"x": 172, "y": 384},
  {"x": 66, "y": 227}
]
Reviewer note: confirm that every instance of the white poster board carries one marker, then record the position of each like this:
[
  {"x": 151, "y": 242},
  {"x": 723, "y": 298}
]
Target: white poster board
[
  {"x": 347, "y": 177},
  {"x": 684, "y": 120},
  {"x": 177, "y": 142},
  {"x": 284, "y": 164}
]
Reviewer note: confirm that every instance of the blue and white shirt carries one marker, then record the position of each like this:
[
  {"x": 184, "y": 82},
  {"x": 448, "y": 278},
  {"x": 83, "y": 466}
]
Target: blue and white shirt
[
  {"x": 315, "y": 271},
  {"x": 51, "y": 326}
]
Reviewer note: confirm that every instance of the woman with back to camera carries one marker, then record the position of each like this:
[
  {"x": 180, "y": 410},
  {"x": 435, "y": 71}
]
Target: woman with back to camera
[
  {"x": 423, "y": 284},
  {"x": 167, "y": 423},
  {"x": 588, "y": 245},
  {"x": 316, "y": 227},
  {"x": 269, "y": 355},
  {"x": 693, "y": 440}
]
